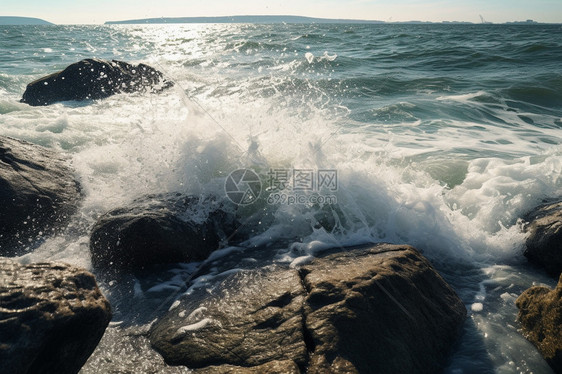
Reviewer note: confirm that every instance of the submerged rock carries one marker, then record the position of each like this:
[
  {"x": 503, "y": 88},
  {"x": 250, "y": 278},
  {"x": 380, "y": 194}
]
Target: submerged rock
[
  {"x": 160, "y": 229},
  {"x": 380, "y": 309},
  {"x": 540, "y": 314},
  {"x": 52, "y": 316},
  {"x": 38, "y": 194},
  {"x": 92, "y": 79},
  {"x": 544, "y": 244}
]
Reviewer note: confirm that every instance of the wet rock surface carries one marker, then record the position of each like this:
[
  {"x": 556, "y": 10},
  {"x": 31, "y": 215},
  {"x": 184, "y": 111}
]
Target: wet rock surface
[
  {"x": 160, "y": 229},
  {"x": 273, "y": 367},
  {"x": 249, "y": 319},
  {"x": 127, "y": 351},
  {"x": 379, "y": 308},
  {"x": 544, "y": 244},
  {"x": 91, "y": 79},
  {"x": 540, "y": 315},
  {"x": 52, "y": 316},
  {"x": 38, "y": 194}
]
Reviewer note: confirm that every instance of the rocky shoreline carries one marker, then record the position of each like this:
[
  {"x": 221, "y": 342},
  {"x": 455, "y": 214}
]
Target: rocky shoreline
[
  {"x": 38, "y": 195},
  {"x": 540, "y": 313},
  {"x": 380, "y": 308},
  {"x": 544, "y": 243},
  {"x": 52, "y": 316},
  {"x": 375, "y": 308}
]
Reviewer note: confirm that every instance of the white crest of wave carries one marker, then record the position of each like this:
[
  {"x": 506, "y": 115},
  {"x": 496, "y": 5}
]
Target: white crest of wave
[{"x": 127, "y": 146}]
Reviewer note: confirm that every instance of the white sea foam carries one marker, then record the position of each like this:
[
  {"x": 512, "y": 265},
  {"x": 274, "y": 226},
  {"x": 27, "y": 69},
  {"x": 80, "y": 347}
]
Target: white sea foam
[
  {"x": 462, "y": 98},
  {"x": 299, "y": 261},
  {"x": 174, "y": 305},
  {"x": 477, "y": 307},
  {"x": 122, "y": 150},
  {"x": 191, "y": 328},
  {"x": 197, "y": 312}
]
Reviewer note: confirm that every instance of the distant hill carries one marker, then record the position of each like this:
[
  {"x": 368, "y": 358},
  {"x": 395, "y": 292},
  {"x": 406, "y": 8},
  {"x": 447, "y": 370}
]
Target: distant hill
[
  {"x": 240, "y": 19},
  {"x": 22, "y": 21}
]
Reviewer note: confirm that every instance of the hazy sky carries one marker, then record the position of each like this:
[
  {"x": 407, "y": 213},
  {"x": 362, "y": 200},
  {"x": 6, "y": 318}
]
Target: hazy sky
[{"x": 99, "y": 11}]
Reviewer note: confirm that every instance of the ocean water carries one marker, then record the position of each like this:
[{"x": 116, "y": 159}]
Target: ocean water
[{"x": 441, "y": 136}]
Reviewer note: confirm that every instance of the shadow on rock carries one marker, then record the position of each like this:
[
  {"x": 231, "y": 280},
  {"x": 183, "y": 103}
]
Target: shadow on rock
[
  {"x": 38, "y": 194},
  {"x": 544, "y": 244},
  {"x": 161, "y": 229}
]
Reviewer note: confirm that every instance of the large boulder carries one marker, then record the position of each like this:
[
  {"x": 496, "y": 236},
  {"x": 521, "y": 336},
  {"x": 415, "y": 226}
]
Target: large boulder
[
  {"x": 92, "y": 79},
  {"x": 540, "y": 314},
  {"x": 544, "y": 243},
  {"x": 250, "y": 319},
  {"x": 38, "y": 194},
  {"x": 52, "y": 316},
  {"x": 379, "y": 309},
  {"x": 160, "y": 229}
]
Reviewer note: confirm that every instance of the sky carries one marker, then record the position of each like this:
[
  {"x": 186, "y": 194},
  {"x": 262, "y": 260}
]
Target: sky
[{"x": 99, "y": 11}]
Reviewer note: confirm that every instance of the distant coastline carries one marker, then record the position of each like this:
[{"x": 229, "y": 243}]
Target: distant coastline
[
  {"x": 257, "y": 19},
  {"x": 13, "y": 20},
  {"x": 241, "y": 19},
  {"x": 288, "y": 19}
]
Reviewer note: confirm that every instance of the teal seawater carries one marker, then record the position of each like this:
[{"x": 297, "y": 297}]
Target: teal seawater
[{"x": 383, "y": 74}]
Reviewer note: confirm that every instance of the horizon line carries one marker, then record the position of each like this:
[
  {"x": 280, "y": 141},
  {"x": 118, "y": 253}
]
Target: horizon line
[
  {"x": 225, "y": 19},
  {"x": 277, "y": 18}
]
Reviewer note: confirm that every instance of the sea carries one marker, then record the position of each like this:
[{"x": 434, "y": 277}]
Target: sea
[{"x": 441, "y": 136}]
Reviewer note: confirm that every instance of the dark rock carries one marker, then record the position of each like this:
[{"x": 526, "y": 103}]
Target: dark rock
[
  {"x": 52, "y": 316},
  {"x": 38, "y": 194},
  {"x": 92, "y": 79},
  {"x": 160, "y": 229},
  {"x": 544, "y": 244},
  {"x": 379, "y": 309},
  {"x": 273, "y": 367},
  {"x": 249, "y": 319},
  {"x": 540, "y": 314}
]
